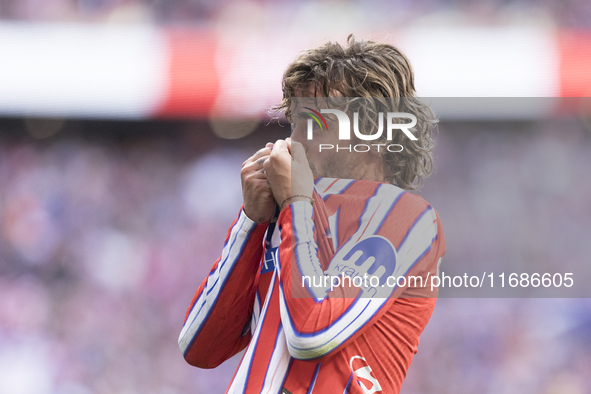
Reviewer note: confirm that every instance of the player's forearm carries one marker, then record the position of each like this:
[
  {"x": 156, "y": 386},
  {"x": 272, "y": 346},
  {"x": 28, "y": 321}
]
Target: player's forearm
[
  {"x": 215, "y": 323},
  {"x": 317, "y": 323},
  {"x": 320, "y": 316}
]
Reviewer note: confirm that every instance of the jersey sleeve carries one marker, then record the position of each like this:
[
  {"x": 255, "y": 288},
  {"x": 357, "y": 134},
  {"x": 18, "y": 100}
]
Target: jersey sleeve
[
  {"x": 320, "y": 317},
  {"x": 218, "y": 319}
]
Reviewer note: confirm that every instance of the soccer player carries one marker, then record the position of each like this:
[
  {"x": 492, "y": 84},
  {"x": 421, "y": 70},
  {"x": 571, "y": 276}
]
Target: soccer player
[{"x": 330, "y": 295}]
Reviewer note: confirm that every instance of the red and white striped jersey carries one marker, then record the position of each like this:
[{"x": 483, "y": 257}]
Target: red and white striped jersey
[{"x": 300, "y": 335}]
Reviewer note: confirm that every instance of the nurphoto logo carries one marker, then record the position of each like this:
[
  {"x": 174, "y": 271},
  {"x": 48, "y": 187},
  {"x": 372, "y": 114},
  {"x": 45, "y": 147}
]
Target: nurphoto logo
[{"x": 345, "y": 129}]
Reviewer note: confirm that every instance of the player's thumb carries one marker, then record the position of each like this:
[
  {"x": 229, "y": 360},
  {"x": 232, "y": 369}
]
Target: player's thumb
[{"x": 297, "y": 151}]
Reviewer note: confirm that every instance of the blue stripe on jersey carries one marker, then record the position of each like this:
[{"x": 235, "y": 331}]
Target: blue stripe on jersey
[
  {"x": 212, "y": 271},
  {"x": 286, "y": 373},
  {"x": 313, "y": 382},
  {"x": 279, "y": 333},
  {"x": 256, "y": 314},
  {"x": 348, "y": 386},
  {"x": 222, "y": 263},
  {"x": 219, "y": 267},
  {"x": 246, "y": 328},
  {"x": 327, "y": 194},
  {"x": 417, "y": 260},
  {"x": 367, "y": 204},
  {"x": 425, "y": 252},
  {"x": 347, "y": 187},
  {"x": 429, "y": 207},
  {"x": 254, "y": 342},
  {"x": 213, "y": 286}
]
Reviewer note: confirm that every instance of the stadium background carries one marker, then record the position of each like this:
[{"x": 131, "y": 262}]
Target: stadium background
[{"x": 123, "y": 124}]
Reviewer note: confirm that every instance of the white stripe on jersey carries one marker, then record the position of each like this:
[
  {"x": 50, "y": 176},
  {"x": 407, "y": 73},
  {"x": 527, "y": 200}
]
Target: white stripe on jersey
[
  {"x": 230, "y": 254},
  {"x": 336, "y": 188},
  {"x": 418, "y": 239},
  {"x": 278, "y": 365},
  {"x": 376, "y": 210},
  {"x": 239, "y": 383},
  {"x": 305, "y": 249}
]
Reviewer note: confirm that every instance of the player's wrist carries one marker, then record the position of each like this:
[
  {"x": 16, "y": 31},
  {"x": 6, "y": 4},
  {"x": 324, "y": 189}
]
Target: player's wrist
[
  {"x": 252, "y": 219},
  {"x": 297, "y": 197},
  {"x": 257, "y": 217}
]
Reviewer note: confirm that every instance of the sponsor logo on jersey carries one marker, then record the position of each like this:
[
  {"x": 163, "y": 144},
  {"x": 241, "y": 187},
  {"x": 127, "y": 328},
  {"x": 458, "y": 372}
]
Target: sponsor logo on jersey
[
  {"x": 363, "y": 372},
  {"x": 373, "y": 257}
]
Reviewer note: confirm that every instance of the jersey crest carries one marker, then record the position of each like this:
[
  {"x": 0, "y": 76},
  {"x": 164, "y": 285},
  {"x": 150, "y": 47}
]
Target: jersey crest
[{"x": 269, "y": 261}]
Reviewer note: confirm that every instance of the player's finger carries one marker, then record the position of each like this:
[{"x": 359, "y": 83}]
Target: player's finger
[
  {"x": 261, "y": 161},
  {"x": 256, "y": 165},
  {"x": 266, "y": 151},
  {"x": 258, "y": 175},
  {"x": 257, "y": 168},
  {"x": 280, "y": 145}
]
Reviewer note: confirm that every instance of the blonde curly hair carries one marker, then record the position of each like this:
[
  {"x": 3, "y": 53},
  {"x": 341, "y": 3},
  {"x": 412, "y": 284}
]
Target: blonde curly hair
[{"x": 372, "y": 77}]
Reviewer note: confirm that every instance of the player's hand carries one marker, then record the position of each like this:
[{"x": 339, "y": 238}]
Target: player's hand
[
  {"x": 257, "y": 198},
  {"x": 288, "y": 171}
]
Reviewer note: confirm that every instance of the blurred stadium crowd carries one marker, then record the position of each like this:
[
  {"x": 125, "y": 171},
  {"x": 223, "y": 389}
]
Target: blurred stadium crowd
[
  {"x": 103, "y": 241},
  {"x": 565, "y": 14}
]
